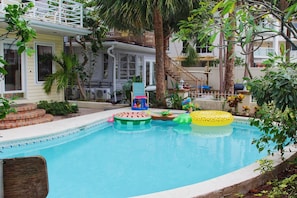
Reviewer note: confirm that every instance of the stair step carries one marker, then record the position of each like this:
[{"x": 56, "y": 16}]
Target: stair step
[
  {"x": 23, "y": 115},
  {"x": 19, "y": 123},
  {"x": 24, "y": 107},
  {"x": 26, "y": 114}
]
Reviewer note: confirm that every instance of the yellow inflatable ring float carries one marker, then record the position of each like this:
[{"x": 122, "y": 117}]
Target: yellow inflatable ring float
[{"x": 211, "y": 118}]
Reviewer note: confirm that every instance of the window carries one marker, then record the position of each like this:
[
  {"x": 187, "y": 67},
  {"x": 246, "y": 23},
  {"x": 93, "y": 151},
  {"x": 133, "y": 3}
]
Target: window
[
  {"x": 267, "y": 23},
  {"x": 44, "y": 62},
  {"x": 203, "y": 47},
  {"x": 127, "y": 66},
  {"x": 185, "y": 45},
  {"x": 13, "y": 79},
  {"x": 105, "y": 66}
]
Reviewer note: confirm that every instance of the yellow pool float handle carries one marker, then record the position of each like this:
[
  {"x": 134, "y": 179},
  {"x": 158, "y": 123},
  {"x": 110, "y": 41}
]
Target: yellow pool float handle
[{"x": 211, "y": 118}]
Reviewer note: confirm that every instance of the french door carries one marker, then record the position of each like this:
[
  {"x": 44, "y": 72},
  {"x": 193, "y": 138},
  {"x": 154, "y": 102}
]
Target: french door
[
  {"x": 150, "y": 72},
  {"x": 13, "y": 80}
]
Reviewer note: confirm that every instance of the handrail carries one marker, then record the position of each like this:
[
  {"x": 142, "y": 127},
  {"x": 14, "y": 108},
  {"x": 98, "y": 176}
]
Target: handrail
[{"x": 172, "y": 65}]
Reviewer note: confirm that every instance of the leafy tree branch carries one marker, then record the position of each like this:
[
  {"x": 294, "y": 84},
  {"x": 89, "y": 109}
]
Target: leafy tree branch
[{"x": 18, "y": 27}]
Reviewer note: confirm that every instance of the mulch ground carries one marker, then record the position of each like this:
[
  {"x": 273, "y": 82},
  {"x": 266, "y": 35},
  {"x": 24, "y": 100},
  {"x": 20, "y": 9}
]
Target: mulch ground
[{"x": 256, "y": 193}]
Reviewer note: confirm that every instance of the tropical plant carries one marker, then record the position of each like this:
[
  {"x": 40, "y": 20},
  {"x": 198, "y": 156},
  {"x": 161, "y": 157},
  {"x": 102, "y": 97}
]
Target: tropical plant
[
  {"x": 198, "y": 26},
  {"x": 276, "y": 94},
  {"x": 58, "y": 108},
  {"x": 176, "y": 100},
  {"x": 66, "y": 74},
  {"x": 191, "y": 57},
  {"x": 19, "y": 26},
  {"x": 89, "y": 42},
  {"x": 265, "y": 166},
  {"x": 243, "y": 23},
  {"x": 23, "y": 33},
  {"x": 246, "y": 108},
  {"x": 234, "y": 100},
  {"x": 165, "y": 113}
]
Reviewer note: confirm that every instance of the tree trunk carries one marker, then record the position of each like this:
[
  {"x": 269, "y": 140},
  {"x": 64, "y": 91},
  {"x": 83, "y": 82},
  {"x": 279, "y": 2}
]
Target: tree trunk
[
  {"x": 160, "y": 72},
  {"x": 230, "y": 58},
  {"x": 284, "y": 4},
  {"x": 229, "y": 69},
  {"x": 166, "y": 35},
  {"x": 221, "y": 61},
  {"x": 249, "y": 60},
  {"x": 80, "y": 82}
]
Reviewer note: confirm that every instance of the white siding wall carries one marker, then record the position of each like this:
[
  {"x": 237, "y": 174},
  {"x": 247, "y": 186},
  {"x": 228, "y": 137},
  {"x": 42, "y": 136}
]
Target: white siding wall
[
  {"x": 214, "y": 77},
  {"x": 34, "y": 91}
]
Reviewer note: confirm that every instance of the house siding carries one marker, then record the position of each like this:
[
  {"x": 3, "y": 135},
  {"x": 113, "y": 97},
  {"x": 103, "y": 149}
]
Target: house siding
[{"x": 33, "y": 90}]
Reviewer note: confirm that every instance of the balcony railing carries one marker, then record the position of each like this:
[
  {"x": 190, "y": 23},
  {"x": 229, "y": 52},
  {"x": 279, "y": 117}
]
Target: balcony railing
[{"x": 64, "y": 12}]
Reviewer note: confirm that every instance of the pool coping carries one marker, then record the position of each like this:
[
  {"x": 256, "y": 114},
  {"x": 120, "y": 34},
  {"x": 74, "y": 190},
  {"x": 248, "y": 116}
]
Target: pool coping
[{"x": 239, "y": 181}]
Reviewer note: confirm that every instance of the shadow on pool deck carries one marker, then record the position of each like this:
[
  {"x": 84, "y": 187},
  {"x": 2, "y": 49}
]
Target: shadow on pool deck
[{"x": 85, "y": 111}]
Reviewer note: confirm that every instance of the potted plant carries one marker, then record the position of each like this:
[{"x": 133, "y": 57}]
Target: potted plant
[
  {"x": 246, "y": 109},
  {"x": 234, "y": 100}
]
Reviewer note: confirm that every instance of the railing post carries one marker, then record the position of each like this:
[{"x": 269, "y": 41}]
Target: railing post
[
  {"x": 60, "y": 11},
  {"x": 81, "y": 15},
  {"x": 34, "y": 9}
]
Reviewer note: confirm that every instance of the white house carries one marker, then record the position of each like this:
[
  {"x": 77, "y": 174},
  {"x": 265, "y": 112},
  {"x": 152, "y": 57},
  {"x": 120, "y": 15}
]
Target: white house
[{"x": 122, "y": 58}]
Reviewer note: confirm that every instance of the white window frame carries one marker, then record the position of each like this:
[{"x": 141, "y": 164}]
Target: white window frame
[
  {"x": 2, "y": 87},
  {"x": 36, "y": 59}
]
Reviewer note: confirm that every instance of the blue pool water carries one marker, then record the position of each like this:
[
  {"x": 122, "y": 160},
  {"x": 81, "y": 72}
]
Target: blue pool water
[{"x": 110, "y": 161}]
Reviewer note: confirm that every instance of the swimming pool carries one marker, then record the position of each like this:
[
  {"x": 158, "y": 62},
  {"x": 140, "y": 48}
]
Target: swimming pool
[{"x": 119, "y": 163}]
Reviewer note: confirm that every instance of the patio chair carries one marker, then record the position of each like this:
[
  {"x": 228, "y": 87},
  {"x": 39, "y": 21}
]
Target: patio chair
[
  {"x": 24, "y": 177},
  {"x": 139, "y": 99}
]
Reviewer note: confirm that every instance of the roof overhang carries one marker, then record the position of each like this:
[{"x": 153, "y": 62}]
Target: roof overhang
[
  {"x": 128, "y": 47},
  {"x": 200, "y": 58},
  {"x": 45, "y": 27},
  {"x": 121, "y": 46},
  {"x": 57, "y": 29}
]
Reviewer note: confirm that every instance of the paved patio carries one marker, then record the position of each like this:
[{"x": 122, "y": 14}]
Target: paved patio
[{"x": 89, "y": 110}]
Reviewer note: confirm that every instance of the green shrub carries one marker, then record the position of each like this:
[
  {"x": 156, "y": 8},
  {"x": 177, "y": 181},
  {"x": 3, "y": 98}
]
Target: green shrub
[{"x": 58, "y": 108}]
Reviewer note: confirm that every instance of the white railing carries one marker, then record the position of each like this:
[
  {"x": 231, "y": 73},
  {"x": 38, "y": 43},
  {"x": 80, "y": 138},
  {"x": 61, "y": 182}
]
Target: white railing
[
  {"x": 209, "y": 95},
  {"x": 65, "y": 12},
  {"x": 263, "y": 52}
]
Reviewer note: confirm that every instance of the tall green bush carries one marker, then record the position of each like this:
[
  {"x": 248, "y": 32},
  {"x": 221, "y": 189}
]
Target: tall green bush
[{"x": 276, "y": 94}]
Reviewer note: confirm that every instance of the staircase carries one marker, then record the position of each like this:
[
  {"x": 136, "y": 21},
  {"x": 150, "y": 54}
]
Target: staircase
[
  {"x": 177, "y": 72},
  {"x": 26, "y": 114}
]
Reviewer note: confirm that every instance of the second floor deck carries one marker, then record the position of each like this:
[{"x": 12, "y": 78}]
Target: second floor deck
[
  {"x": 146, "y": 39},
  {"x": 65, "y": 12}
]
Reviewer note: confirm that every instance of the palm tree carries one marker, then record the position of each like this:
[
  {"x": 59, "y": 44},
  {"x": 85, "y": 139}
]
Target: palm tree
[
  {"x": 161, "y": 16},
  {"x": 65, "y": 76}
]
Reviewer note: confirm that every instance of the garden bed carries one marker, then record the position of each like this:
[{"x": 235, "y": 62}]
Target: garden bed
[{"x": 262, "y": 190}]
